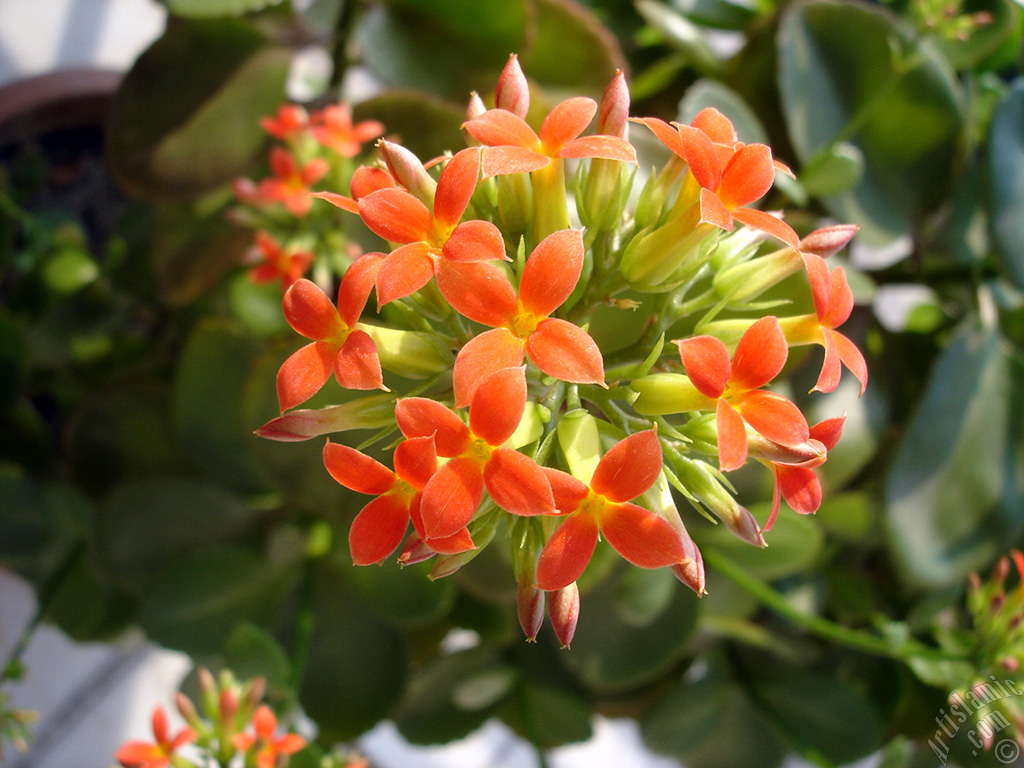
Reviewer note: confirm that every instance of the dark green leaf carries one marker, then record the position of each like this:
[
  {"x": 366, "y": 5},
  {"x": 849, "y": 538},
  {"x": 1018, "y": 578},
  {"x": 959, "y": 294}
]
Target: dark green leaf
[
  {"x": 1006, "y": 182},
  {"x": 557, "y": 715},
  {"x": 992, "y": 44},
  {"x": 953, "y": 496},
  {"x": 850, "y": 73},
  {"x": 186, "y": 117},
  {"x": 85, "y": 607},
  {"x": 404, "y": 597},
  {"x": 250, "y": 651}
]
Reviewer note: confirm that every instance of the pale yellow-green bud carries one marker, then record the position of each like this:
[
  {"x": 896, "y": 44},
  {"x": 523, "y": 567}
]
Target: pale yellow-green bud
[
  {"x": 580, "y": 442},
  {"x": 531, "y": 426},
  {"x": 411, "y": 354},
  {"x": 662, "y": 393},
  {"x": 659, "y": 260},
  {"x": 702, "y": 481},
  {"x": 750, "y": 279}
]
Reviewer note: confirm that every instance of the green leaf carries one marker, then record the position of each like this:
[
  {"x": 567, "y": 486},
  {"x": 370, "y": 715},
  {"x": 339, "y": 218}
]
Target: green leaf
[
  {"x": 711, "y": 93},
  {"x": 557, "y": 715},
  {"x": 70, "y": 270},
  {"x": 611, "y": 654},
  {"x": 204, "y": 9},
  {"x": 991, "y": 45},
  {"x": 185, "y": 119},
  {"x": 145, "y": 522},
  {"x": 953, "y": 495},
  {"x": 209, "y": 390},
  {"x": 681, "y": 33},
  {"x": 404, "y": 597},
  {"x": 1006, "y": 182},
  {"x": 429, "y": 126},
  {"x": 850, "y": 73},
  {"x": 196, "y": 603},
  {"x": 85, "y": 607},
  {"x": 250, "y": 651}
]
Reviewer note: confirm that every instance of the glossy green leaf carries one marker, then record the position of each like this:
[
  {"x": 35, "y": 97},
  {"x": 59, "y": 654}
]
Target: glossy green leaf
[
  {"x": 644, "y": 594},
  {"x": 404, "y": 597},
  {"x": 186, "y": 117},
  {"x": 711, "y": 93},
  {"x": 610, "y": 653},
  {"x": 209, "y": 389},
  {"x": 144, "y": 522},
  {"x": 1006, "y": 182},
  {"x": 851, "y": 73},
  {"x": 953, "y": 495},
  {"x": 197, "y": 602},
  {"x": 356, "y": 669},
  {"x": 681, "y": 33},
  {"x": 85, "y": 607},
  {"x": 250, "y": 651},
  {"x": 720, "y": 14},
  {"x": 711, "y": 723},
  {"x": 558, "y": 715},
  {"x": 204, "y": 9}
]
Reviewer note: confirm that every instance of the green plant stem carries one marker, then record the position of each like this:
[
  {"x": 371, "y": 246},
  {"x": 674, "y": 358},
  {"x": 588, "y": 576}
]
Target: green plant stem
[
  {"x": 827, "y": 630},
  {"x": 304, "y": 624}
]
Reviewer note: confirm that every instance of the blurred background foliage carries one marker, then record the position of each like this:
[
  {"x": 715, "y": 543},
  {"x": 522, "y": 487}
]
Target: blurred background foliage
[{"x": 136, "y": 360}]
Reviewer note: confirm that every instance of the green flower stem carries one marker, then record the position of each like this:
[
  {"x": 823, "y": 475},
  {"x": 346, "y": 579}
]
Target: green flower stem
[
  {"x": 304, "y": 623},
  {"x": 827, "y": 630}
]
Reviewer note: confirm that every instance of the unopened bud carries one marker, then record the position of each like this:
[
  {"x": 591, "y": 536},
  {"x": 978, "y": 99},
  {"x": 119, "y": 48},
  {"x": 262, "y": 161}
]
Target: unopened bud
[
  {"x": 371, "y": 412},
  {"x": 664, "y": 257},
  {"x": 208, "y": 692},
  {"x": 810, "y": 453},
  {"x": 700, "y": 480},
  {"x": 827, "y": 241},
  {"x": 564, "y": 612},
  {"x": 1009, "y": 663},
  {"x": 187, "y": 709},
  {"x": 749, "y": 279},
  {"x": 513, "y": 92},
  {"x": 613, "y": 113},
  {"x": 414, "y": 551},
  {"x": 474, "y": 109},
  {"x": 530, "y": 610},
  {"x": 228, "y": 706},
  {"x": 410, "y": 354},
  {"x": 407, "y": 169}
]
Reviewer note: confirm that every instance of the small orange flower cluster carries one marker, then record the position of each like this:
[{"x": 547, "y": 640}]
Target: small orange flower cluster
[{"x": 486, "y": 290}]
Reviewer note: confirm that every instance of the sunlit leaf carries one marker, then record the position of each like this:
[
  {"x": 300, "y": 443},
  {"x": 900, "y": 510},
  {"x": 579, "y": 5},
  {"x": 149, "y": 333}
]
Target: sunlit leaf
[{"x": 212, "y": 8}]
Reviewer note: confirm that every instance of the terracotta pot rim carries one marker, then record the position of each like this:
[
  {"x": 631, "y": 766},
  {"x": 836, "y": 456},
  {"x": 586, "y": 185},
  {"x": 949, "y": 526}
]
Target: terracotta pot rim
[{"x": 60, "y": 99}]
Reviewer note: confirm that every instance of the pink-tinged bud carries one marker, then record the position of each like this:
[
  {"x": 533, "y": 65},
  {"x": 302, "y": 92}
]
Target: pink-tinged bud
[
  {"x": 253, "y": 692},
  {"x": 564, "y": 611},
  {"x": 228, "y": 706},
  {"x": 1009, "y": 663},
  {"x": 414, "y": 551},
  {"x": 187, "y": 709},
  {"x": 1001, "y": 571},
  {"x": 701, "y": 480},
  {"x": 530, "y": 610},
  {"x": 474, "y": 109},
  {"x": 407, "y": 169},
  {"x": 371, "y": 412},
  {"x": 828, "y": 241},
  {"x": 743, "y": 525},
  {"x": 973, "y": 581},
  {"x": 811, "y": 453},
  {"x": 613, "y": 114},
  {"x": 208, "y": 692},
  {"x": 449, "y": 564},
  {"x": 691, "y": 570},
  {"x": 513, "y": 92}
]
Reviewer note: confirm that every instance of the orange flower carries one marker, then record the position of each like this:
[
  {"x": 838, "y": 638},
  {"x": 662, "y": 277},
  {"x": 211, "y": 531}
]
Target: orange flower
[
  {"x": 733, "y": 389},
  {"x": 268, "y": 747},
  {"x": 337, "y": 346},
  {"x": 155, "y": 754},
  {"x": 332, "y": 126},
  {"x": 639, "y": 535},
  {"x": 277, "y": 264},
  {"x": 478, "y": 458},
  {"x": 290, "y": 183},
  {"x": 797, "y": 483},
  {"x": 380, "y": 526},
  {"x": 522, "y": 325},
  {"x": 730, "y": 174},
  {"x": 289, "y": 121},
  {"x": 514, "y": 147}
]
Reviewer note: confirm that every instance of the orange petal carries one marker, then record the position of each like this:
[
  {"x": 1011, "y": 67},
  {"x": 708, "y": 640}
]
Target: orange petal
[
  {"x": 455, "y": 186},
  {"x": 367, "y": 180},
  {"x": 829, "y": 431},
  {"x": 498, "y": 405},
  {"x": 289, "y": 744},
  {"x": 447, "y": 545},
  {"x": 606, "y": 147},
  {"x": 567, "y": 553},
  {"x": 475, "y": 241},
  {"x": 134, "y": 753},
  {"x": 340, "y": 201},
  {"x": 356, "y": 365},
  {"x": 776, "y": 499},
  {"x": 800, "y": 488},
  {"x": 478, "y": 290},
  {"x": 629, "y": 468},
  {"x": 357, "y": 471},
  {"x": 831, "y": 366},
  {"x": 551, "y": 272},
  {"x": 499, "y": 127},
  {"x": 748, "y": 176},
  {"x": 303, "y": 374},
  {"x": 482, "y": 356},
  {"x": 641, "y": 537},
  {"x": 423, "y": 417},
  {"x": 565, "y": 122},
  {"x": 713, "y": 211},
  {"x": 310, "y": 312},
  {"x": 356, "y": 284},
  {"x": 841, "y": 303},
  {"x": 821, "y": 283},
  {"x": 451, "y": 498},
  {"x": 416, "y": 461},
  {"x": 775, "y": 417},
  {"x": 706, "y": 360},
  {"x": 760, "y": 355},
  {"x": 732, "y": 437},
  {"x": 395, "y": 215},
  {"x": 378, "y": 529},
  {"x": 765, "y": 222},
  {"x": 565, "y": 351},
  {"x": 567, "y": 490},
  {"x": 666, "y": 133},
  {"x": 716, "y": 125},
  {"x": 264, "y": 722},
  {"x": 701, "y": 155},
  {"x": 404, "y": 271},
  {"x": 851, "y": 357},
  {"x": 517, "y": 484},
  {"x": 508, "y": 159}
]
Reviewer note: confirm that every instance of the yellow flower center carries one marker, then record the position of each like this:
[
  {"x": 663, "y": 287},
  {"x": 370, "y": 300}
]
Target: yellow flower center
[
  {"x": 524, "y": 324},
  {"x": 593, "y": 505}
]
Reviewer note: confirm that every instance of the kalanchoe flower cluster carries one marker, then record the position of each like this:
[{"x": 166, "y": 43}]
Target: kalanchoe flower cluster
[
  {"x": 516, "y": 420},
  {"x": 229, "y": 724}
]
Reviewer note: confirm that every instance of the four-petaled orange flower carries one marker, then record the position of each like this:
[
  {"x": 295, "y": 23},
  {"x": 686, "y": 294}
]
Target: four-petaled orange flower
[
  {"x": 154, "y": 754},
  {"x": 797, "y": 483},
  {"x": 478, "y": 459},
  {"x": 733, "y": 389},
  {"x": 514, "y": 147},
  {"x": 522, "y": 325},
  {"x": 267, "y": 747},
  {"x": 731, "y": 174},
  {"x": 289, "y": 121},
  {"x": 380, "y": 527},
  {"x": 332, "y": 127},
  {"x": 639, "y": 535},
  {"x": 833, "y": 303},
  {"x": 290, "y": 182},
  {"x": 427, "y": 237},
  {"x": 276, "y": 263},
  {"x": 338, "y": 346}
]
